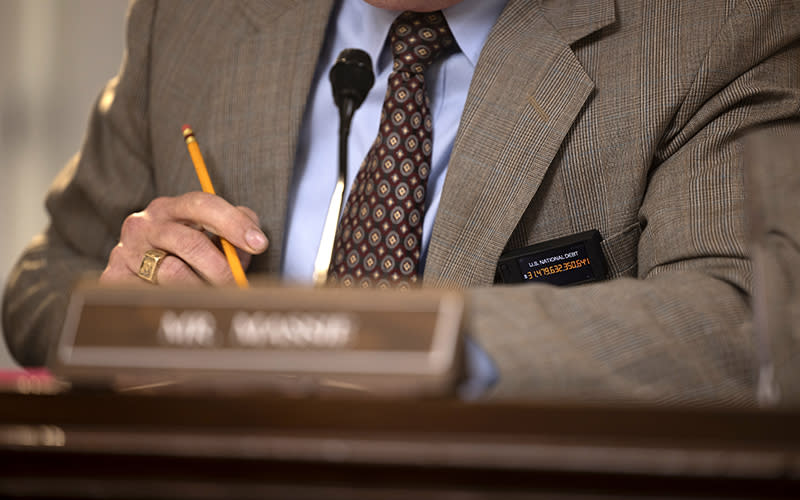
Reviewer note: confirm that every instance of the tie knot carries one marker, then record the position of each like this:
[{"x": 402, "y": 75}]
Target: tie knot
[{"x": 418, "y": 38}]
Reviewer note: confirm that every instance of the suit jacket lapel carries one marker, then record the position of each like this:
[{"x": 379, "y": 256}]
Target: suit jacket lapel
[
  {"x": 527, "y": 90},
  {"x": 258, "y": 107}
]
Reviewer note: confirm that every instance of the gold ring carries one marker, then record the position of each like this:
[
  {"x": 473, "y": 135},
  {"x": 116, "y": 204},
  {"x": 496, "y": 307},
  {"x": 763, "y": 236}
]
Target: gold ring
[{"x": 150, "y": 263}]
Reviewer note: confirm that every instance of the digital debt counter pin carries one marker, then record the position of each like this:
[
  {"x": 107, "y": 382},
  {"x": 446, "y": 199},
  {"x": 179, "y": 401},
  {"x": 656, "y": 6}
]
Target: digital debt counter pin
[{"x": 570, "y": 260}]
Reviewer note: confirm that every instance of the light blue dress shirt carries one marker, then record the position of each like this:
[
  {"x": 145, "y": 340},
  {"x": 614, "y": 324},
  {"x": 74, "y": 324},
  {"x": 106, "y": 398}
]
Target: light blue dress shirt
[{"x": 357, "y": 24}]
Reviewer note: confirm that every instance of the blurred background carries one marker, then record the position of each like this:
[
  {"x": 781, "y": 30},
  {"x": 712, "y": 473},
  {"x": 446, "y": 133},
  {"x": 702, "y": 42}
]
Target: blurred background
[{"x": 55, "y": 56}]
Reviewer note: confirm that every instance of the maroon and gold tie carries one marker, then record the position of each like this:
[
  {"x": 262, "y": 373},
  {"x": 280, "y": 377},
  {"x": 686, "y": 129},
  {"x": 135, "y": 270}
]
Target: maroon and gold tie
[{"x": 379, "y": 236}]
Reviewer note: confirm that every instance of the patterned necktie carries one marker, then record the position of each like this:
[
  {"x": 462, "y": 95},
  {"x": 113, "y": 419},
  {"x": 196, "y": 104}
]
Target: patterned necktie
[{"x": 379, "y": 236}]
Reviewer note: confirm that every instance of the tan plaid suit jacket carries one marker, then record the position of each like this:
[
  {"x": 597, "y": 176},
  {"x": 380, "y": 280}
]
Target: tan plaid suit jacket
[{"x": 616, "y": 115}]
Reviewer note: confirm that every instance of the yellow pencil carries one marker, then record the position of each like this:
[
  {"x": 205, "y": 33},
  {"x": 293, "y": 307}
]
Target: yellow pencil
[{"x": 205, "y": 182}]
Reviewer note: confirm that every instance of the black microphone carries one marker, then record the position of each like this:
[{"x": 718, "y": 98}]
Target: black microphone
[{"x": 351, "y": 78}]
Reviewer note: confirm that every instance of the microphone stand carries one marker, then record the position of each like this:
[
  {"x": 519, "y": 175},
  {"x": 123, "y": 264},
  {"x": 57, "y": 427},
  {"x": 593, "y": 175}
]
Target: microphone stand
[{"x": 351, "y": 78}]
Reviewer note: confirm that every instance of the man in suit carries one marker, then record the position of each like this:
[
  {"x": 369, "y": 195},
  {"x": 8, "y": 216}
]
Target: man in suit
[{"x": 616, "y": 115}]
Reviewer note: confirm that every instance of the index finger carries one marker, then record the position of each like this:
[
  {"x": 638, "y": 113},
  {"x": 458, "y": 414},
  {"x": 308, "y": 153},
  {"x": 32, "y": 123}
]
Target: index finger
[{"x": 219, "y": 217}]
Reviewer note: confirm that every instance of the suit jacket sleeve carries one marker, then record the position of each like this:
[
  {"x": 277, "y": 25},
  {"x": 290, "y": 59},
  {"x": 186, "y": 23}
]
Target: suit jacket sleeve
[
  {"x": 109, "y": 179},
  {"x": 679, "y": 328},
  {"x": 198, "y": 62}
]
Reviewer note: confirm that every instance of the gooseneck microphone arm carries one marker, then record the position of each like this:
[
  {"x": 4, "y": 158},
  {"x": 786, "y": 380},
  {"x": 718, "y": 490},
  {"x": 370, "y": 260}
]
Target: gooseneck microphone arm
[{"x": 351, "y": 78}]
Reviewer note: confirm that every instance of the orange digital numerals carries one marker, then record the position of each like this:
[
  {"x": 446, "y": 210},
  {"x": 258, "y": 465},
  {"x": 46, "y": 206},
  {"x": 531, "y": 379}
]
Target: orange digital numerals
[{"x": 557, "y": 268}]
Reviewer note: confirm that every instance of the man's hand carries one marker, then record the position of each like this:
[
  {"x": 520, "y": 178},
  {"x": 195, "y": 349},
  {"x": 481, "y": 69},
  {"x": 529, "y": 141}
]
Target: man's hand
[{"x": 176, "y": 225}]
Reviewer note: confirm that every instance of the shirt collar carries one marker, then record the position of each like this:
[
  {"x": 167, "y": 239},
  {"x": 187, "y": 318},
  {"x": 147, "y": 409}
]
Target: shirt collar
[{"x": 470, "y": 21}]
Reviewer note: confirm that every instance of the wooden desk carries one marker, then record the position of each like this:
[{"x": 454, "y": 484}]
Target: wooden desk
[{"x": 103, "y": 445}]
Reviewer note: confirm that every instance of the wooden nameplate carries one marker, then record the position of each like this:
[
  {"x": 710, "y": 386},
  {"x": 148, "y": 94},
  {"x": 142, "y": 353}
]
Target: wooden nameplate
[{"x": 295, "y": 340}]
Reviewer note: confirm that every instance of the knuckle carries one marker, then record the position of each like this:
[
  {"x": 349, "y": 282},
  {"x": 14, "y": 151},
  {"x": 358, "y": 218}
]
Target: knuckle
[
  {"x": 158, "y": 205},
  {"x": 199, "y": 202},
  {"x": 132, "y": 225},
  {"x": 117, "y": 255},
  {"x": 116, "y": 268}
]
